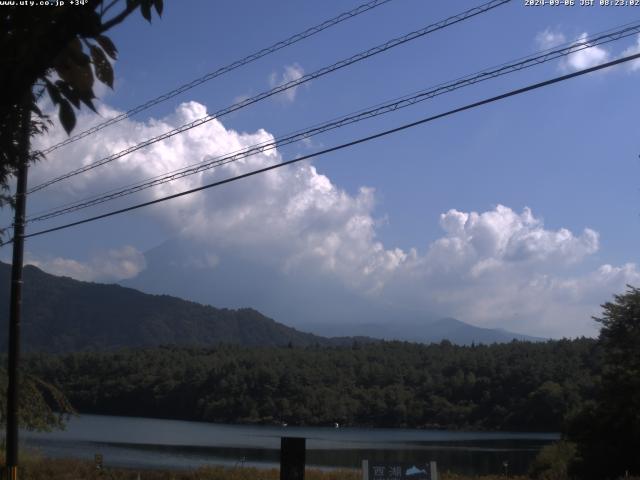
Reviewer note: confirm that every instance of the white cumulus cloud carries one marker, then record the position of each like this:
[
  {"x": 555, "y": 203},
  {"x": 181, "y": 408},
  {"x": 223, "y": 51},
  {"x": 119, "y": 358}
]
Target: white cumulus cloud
[
  {"x": 505, "y": 265},
  {"x": 505, "y": 236},
  {"x": 579, "y": 60},
  {"x": 549, "y": 38},
  {"x": 497, "y": 268},
  {"x": 586, "y": 58},
  {"x": 289, "y": 74},
  {"x": 110, "y": 265},
  {"x": 634, "y": 65}
]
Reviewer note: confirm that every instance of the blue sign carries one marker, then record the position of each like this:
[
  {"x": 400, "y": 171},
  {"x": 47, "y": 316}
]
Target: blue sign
[{"x": 399, "y": 471}]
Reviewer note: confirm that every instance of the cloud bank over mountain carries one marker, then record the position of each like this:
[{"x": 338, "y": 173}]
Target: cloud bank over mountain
[{"x": 495, "y": 268}]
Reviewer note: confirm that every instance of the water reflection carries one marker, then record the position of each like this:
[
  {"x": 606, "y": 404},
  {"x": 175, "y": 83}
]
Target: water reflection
[{"x": 154, "y": 443}]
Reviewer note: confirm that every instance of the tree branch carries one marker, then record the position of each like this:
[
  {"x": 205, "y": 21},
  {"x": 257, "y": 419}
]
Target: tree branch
[
  {"x": 119, "y": 18},
  {"x": 106, "y": 9}
]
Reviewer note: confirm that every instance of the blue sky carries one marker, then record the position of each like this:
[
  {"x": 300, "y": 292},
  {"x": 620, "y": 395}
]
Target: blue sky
[{"x": 538, "y": 169}]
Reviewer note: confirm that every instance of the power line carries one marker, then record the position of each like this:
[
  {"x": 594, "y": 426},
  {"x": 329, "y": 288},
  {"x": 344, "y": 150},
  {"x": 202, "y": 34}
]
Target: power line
[
  {"x": 286, "y": 86},
  {"x": 543, "y": 56},
  {"x": 384, "y": 133},
  {"x": 222, "y": 70},
  {"x": 402, "y": 102}
]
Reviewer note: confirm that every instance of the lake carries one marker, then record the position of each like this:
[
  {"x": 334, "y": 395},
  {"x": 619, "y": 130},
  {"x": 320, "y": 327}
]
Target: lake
[{"x": 155, "y": 443}]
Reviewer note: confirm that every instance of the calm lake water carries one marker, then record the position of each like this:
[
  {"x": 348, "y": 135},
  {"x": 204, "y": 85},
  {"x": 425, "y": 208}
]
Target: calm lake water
[{"x": 153, "y": 443}]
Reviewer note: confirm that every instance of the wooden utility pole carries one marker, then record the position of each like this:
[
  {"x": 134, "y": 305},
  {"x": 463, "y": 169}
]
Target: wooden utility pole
[{"x": 15, "y": 308}]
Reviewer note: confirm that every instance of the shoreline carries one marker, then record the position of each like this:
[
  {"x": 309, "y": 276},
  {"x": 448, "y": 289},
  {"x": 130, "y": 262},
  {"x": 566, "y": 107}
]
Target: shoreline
[
  {"x": 150, "y": 444},
  {"x": 37, "y": 467},
  {"x": 276, "y": 424},
  {"x": 543, "y": 434}
]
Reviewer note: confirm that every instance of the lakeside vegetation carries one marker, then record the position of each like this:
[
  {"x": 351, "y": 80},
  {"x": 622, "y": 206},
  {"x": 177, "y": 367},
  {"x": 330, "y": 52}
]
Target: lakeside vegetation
[
  {"x": 588, "y": 389},
  {"x": 39, "y": 468},
  {"x": 515, "y": 386},
  {"x": 548, "y": 466}
]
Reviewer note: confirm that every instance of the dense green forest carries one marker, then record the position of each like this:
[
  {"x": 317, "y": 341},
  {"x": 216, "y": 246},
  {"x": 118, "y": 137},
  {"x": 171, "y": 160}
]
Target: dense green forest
[{"x": 514, "y": 386}]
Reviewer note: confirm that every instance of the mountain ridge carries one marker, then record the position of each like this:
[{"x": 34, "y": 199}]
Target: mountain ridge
[
  {"x": 56, "y": 313},
  {"x": 56, "y": 309}
]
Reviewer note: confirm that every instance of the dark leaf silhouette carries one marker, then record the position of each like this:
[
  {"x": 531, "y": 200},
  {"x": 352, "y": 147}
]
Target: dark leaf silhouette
[
  {"x": 69, "y": 93},
  {"x": 104, "y": 72},
  {"x": 145, "y": 9},
  {"x": 67, "y": 117},
  {"x": 159, "y": 4},
  {"x": 53, "y": 92},
  {"x": 59, "y": 53},
  {"x": 108, "y": 46}
]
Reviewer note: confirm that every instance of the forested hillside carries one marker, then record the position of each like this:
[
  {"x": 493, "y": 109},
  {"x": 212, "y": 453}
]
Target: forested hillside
[
  {"x": 514, "y": 386},
  {"x": 61, "y": 314}
]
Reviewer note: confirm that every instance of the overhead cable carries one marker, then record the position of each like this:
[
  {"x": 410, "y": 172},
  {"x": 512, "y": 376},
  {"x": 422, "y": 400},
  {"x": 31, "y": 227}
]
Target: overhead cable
[
  {"x": 391, "y": 106},
  {"x": 344, "y": 145},
  {"x": 282, "y": 88},
  {"x": 365, "y": 7}
]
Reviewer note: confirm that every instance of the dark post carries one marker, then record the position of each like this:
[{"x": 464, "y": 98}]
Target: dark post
[
  {"x": 16, "y": 293},
  {"x": 292, "y": 458}
]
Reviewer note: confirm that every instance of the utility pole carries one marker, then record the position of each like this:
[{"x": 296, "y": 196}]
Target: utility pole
[{"x": 16, "y": 290}]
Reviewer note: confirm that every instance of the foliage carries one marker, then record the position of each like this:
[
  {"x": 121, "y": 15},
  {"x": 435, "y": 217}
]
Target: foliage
[
  {"x": 42, "y": 406},
  {"x": 57, "y": 50},
  {"x": 501, "y": 386},
  {"x": 36, "y": 467},
  {"x": 607, "y": 430},
  {"x": 552, "y": 463}
]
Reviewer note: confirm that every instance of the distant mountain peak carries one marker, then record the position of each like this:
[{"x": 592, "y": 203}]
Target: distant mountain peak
[{"x": 63, "y": 314}]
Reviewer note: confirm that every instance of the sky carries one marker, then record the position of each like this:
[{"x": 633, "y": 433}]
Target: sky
[{"x": 522, "y": 214}]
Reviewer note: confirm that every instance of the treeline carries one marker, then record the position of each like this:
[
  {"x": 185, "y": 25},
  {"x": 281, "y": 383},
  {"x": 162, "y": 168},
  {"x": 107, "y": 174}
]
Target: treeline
[{"x": 513, "y": 386}]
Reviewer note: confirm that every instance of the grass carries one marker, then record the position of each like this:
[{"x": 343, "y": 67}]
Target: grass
[
  {"x": 36, "y": 467},
  {"x": 69, "y": 469}
]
